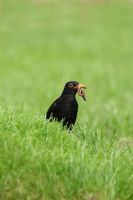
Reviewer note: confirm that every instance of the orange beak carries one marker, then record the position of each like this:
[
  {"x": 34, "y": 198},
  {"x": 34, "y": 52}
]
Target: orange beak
[{"x": 80, "y": 88}]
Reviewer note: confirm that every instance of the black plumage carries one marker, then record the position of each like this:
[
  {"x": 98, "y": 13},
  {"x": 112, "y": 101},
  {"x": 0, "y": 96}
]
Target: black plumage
[{"x": 65, "y": 107}]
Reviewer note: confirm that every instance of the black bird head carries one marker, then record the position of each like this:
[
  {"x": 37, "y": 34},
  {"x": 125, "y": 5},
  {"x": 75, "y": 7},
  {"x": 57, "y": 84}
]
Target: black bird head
[{"x": 73, "y": 87}]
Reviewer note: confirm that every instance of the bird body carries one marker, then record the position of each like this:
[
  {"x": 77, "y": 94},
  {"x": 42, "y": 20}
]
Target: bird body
[{"x": 65, "y": 107}]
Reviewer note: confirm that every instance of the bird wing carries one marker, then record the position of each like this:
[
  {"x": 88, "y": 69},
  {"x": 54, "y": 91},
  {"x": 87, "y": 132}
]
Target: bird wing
[
  {"x": 63, "y": 109},
  {"x": 52, "y": 109}
]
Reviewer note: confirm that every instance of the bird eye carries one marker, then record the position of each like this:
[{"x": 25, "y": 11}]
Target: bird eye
[{"x": 70, "y": 85}]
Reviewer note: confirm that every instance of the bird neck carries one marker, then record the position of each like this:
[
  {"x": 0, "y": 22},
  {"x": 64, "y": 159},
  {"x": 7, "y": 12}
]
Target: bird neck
[{"x": 68, "y": 92}]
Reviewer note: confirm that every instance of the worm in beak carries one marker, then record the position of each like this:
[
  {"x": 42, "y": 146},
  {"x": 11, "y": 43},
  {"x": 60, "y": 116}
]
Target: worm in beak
[{"x": 81, "y": 91}]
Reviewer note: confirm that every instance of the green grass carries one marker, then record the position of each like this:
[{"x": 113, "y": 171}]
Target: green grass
[{"x": 44, "y": 44}]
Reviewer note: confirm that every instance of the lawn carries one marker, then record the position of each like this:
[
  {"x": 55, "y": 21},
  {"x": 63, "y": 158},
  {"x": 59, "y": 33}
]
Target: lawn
[{"x": 44, "y": 44}]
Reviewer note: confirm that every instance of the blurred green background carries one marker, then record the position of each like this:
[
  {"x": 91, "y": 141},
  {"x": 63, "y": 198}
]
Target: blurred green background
[{"x": 44, "y": 44}]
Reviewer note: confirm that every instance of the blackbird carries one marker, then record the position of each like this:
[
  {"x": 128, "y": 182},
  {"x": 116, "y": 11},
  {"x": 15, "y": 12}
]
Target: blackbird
[{"x": 65, "y": 107}]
